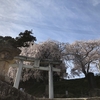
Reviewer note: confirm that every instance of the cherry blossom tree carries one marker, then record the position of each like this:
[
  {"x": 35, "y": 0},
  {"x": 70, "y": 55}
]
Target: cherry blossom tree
[
  {"x": 49, "y": 49},
  {"x": 83, "y": 54}
]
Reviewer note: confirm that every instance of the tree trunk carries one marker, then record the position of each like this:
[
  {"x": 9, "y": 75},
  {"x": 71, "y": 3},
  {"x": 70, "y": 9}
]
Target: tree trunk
[
  {"x": 91, "y": 80},
  {"x": 84, "y": 72}
]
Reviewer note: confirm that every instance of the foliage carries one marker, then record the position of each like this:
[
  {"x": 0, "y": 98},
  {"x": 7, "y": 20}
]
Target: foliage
[
  {"x": 21, "y": 41},
  {"x": 24, "y": 38},
  {"x": 46, "y": 50},
  {"x": 83, "y": 54}
]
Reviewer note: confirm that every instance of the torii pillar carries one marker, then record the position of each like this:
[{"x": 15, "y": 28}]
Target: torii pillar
[
  {"x": 51, "y": 90},
  {"x": 18, "y": 74}
]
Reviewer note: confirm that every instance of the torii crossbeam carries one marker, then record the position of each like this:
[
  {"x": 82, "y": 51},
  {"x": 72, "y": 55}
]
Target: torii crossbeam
[{"x": 36, "y": 65}]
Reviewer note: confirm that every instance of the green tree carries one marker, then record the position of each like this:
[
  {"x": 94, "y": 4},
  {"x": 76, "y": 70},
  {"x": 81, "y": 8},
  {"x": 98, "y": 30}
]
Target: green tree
[
  {"x": 21, "y": 41},
  {"x": 10, "y": 49}
]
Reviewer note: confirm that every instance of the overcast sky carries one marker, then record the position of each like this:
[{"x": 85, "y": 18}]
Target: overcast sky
[{"x": 61, "y": 20}]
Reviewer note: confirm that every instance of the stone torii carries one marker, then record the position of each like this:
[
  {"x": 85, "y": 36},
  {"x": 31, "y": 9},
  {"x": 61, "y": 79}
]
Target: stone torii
[{"x": 36, "y": 65}]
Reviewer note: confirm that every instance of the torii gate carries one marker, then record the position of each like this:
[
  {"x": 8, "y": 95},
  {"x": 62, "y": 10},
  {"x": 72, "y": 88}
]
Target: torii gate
[{"x": 50, "y": 68}]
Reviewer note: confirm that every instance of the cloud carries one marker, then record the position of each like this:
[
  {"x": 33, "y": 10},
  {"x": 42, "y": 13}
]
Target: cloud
[
  {"x": 95, "y": 2},
  {"x": 65, "y": 20}
]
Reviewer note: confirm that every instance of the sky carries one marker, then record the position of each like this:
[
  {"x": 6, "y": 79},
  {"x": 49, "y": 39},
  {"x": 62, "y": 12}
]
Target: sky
[{"x": 61, "y": 20}]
